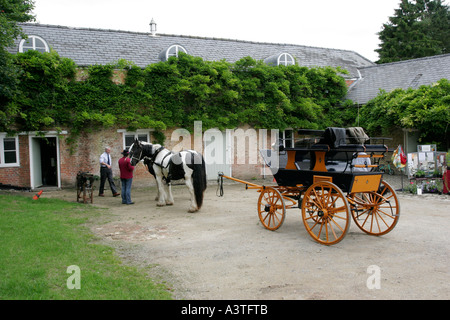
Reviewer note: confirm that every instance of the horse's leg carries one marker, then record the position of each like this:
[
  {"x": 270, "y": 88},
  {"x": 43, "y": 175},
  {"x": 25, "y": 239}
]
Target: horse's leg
[
  {"x": 161, "y": 191},
  {"x": 189, "y": 183},
  {"x": 169, "y": 200},
  {"x": 157, "y": 190}
]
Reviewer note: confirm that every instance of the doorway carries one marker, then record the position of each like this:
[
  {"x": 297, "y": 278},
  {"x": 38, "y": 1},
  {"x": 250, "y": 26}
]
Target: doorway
[
  {"x": 217, "y": 153},
  {"x": 44, "y": 162}
]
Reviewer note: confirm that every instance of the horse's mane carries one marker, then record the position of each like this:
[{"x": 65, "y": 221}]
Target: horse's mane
[{"x": 149, "y": 149}]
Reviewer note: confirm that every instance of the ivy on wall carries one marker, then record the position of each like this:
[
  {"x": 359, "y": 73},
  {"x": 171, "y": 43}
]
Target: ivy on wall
[{"x": 174, "y": 93}]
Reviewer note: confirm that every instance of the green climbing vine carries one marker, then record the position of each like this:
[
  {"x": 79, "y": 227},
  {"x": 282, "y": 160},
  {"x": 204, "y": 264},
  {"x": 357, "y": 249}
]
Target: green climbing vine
[{"x": 174, "y": 93}]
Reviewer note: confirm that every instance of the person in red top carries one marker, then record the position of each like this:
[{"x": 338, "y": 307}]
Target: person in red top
[{"x": 126, "y": 176}]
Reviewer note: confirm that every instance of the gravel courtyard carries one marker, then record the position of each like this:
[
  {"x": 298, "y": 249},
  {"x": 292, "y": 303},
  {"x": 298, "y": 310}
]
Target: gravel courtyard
[{"x": 224, "y": 252}]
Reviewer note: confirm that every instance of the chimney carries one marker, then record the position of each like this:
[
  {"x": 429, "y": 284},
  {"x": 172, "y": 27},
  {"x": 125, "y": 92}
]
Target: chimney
[{"x": 153, "y": 28}]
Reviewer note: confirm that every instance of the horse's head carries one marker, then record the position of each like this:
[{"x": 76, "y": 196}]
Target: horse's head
[{"x": 136, "y": 152}]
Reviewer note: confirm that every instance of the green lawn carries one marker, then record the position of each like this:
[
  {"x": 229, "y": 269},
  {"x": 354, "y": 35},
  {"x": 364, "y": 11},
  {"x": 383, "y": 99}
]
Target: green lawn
[{"x": 40, "y": 239}]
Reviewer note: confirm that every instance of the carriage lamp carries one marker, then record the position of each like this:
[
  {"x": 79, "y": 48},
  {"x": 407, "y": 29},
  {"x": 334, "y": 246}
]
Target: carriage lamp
[{"x": 153, "y": 27}]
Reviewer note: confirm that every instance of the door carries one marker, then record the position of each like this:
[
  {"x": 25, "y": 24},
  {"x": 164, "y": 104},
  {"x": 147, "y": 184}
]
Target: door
[
  {"x": 35, "y": 165},
  {"x": 44, "y": 162},
  {"x": 217, "y": 153}
]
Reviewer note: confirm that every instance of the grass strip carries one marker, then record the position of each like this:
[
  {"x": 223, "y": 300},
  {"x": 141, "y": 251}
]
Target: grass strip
[{"x": 41, "y": 239}]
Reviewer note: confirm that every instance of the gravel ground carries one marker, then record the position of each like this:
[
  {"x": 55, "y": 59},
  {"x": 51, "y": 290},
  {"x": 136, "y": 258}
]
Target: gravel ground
[{"x": 223, "y": 251}]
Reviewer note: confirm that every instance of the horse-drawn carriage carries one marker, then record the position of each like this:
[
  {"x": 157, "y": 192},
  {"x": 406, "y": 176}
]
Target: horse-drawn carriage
[{"x": 330, "y": 175}]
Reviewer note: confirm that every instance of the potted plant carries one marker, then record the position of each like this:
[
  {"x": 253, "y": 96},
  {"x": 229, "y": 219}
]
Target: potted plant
[{"x": 420, "y": 174}]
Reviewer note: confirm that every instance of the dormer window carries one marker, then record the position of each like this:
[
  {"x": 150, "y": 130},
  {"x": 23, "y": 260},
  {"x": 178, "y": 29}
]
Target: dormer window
[
  {"x": 282, "y": 59},
  {"x": 285, "y": 59},
  {"x": 33, "y": 43},
  {"x": 172, "y": 51}
]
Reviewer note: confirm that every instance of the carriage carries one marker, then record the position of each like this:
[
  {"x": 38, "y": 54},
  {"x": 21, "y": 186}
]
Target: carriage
[{"x": 331, "y": 175}]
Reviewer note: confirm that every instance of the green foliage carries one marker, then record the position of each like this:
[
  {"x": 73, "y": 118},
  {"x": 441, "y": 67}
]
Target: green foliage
[
  {"x": 419, "y": 28},
  {"x": 44, "y": 84},
  {"x": 175, "y": 93},
  {"x": 11, "y": 12},
  {"x": 426, "y": 109}
]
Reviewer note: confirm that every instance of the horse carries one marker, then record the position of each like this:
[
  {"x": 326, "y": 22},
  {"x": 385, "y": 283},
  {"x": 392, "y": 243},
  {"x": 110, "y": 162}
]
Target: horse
[{"x": 166, "y": 165}]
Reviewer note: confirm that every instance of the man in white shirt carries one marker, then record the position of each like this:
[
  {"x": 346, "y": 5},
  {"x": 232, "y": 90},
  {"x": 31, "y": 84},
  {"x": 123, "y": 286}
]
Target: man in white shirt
[{"x": 106, "y": 173}]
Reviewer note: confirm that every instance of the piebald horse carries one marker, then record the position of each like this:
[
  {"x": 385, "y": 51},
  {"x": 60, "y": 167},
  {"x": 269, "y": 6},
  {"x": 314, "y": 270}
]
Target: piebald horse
[{"x": 166, "y": 166}]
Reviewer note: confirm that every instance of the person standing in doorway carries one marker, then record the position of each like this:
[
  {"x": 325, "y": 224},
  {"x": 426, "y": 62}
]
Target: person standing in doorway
[
  {"x": 106, "y": 173},
  {"x": 126, "y": 176}
]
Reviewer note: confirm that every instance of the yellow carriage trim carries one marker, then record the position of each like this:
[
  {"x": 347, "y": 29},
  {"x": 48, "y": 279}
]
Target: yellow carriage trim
[
  {"x": 366, "y": 183},
  {"x": 322, "y": 178}
]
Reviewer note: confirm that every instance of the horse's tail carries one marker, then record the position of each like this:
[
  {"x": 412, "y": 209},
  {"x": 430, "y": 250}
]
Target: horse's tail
[{"x": 199, "y": 179}]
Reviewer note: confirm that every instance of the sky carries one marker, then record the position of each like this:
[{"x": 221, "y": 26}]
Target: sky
[{"x": 338, "y": 24}]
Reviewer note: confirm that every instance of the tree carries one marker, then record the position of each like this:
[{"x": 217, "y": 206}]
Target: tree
[
  {"x": 419, "y": 28},
  {"x": 11, "y": 13},
  {"x": 426, "y": 109}
]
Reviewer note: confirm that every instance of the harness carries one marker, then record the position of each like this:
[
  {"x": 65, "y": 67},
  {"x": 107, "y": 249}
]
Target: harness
[{"x": 152, "y": 160}]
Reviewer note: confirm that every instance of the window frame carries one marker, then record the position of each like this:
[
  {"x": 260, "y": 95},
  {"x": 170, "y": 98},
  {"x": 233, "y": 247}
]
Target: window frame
[
  {"x": 3, "y": 136},
  {"x": 33, "y": 37},
  {"x": 135, "y": 134},
  {"x": 286, "y": 56},
  {"x": 291, "y": 139},
  {"x": 177, "y": 50}
]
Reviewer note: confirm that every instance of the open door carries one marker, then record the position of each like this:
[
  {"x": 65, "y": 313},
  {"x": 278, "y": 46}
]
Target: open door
[{"x": 44, "y": 162}]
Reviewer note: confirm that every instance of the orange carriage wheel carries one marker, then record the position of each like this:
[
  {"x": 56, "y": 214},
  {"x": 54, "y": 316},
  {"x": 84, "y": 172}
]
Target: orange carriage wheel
[
  {"x": 271, "y": 208},
  {"x": 376, "y": 213},
  {"x": 325, "y": 212}
]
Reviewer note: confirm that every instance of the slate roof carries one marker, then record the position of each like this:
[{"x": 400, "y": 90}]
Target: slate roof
[
  {"x": 94, "y": 46},
  {"x": 404, "y": 74}
]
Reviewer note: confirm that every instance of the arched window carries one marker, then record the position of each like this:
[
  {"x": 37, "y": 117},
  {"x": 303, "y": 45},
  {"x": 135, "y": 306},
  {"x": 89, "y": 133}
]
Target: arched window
[
  {"x": 285, "y": 59},
  {"x": 33, "y": 43},
  {"x": 172, "y": 51},
  {"x": 281, "y": 59}
]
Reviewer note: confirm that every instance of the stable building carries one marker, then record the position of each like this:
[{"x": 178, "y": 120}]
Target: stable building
[{"x": 32, "y": 160}]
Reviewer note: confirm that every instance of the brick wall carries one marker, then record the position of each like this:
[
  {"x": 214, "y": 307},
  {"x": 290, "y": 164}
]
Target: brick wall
[
  {"x": 89, "y": 146},
  {"x": 86, "y": 153},
  {"x": 18, "y": 176}
]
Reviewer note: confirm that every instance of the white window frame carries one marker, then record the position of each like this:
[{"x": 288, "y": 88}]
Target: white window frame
[
  {"x": 178, "y": 48},
  {"x": 288, "y": 143},
  {"x": 136, "y": 134},
  {"x": 2, "y": 151},
  {"x": 33, "y": 38},
  {"x": 285, "y": 59}
]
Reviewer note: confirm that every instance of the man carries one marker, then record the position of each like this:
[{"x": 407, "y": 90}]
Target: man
[
  {"x": 126, "y": 176},
  {"x": 106, "y": 173}
]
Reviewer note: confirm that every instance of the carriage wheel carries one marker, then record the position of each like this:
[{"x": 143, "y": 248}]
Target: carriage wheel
[
  {"x": 271, "y": 208},
  {"x": 376, "y": 213},
  {"x": 325, "y": 212}
]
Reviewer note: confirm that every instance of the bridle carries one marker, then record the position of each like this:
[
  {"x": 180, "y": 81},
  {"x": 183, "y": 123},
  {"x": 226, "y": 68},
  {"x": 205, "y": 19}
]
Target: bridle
[{"x": 137, "y": 159}]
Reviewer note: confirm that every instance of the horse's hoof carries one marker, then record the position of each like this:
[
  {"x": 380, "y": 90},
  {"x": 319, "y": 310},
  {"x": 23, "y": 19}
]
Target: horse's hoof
[
  {"x": 192, "y": 210},
  {"x": 169, "y": 203},
  {"x": 160, "y": 204}
]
